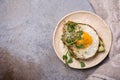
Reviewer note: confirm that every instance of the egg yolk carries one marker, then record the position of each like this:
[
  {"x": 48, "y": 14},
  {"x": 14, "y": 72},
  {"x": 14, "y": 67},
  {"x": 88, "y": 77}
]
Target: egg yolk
[{"x": 86, "y": 40}]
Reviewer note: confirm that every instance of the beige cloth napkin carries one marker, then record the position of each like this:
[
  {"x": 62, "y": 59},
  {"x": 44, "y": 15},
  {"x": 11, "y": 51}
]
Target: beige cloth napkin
[
  {"x": 109, "y": 71},
  {"x": 109, "y": 10}
]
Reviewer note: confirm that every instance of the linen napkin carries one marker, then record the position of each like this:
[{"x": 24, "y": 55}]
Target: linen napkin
[{"x": 109, "y": 71}]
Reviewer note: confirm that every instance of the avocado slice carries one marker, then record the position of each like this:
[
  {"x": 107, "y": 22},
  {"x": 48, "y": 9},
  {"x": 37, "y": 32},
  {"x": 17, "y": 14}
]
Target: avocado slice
[
  {"x": 101, "y": 49},
  {"x": 101, "y": 43}
]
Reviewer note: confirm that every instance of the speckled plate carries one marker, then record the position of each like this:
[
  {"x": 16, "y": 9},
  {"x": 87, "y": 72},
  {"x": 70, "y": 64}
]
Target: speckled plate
[{"x": 88, "y": 18}]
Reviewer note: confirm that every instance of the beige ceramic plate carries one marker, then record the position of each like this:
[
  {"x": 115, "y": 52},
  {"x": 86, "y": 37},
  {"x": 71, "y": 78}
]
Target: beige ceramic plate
[{"x": 88, "y": 18}]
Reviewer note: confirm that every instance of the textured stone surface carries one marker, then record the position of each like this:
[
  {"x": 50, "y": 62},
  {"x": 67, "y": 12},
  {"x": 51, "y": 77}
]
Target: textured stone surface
[{"x": 26, "y": 31}]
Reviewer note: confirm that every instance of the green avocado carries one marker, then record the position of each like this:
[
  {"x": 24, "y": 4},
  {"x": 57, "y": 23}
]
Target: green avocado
[
  {"x": 101, "y": 48},
  {"x": 101, "y": 43}
]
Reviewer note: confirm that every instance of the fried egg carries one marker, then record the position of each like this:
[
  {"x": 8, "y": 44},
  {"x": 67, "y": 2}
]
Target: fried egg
[{"x": 89, "y": 39}]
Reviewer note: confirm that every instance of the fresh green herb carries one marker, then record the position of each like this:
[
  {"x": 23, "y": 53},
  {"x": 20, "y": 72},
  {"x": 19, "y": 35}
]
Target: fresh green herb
[
  {"x": 70, "y": 60},
  {"x": 70, "y": 41},
  {"x": 82, "y": 64},
  {"x": 79, "y": 34},
  {"x": 71, "y": 26},
  {"x": 70, "y": 53},
  {"x": 80, "y": 46},
  {"x": 79, "y": 37},
  {"x": 65, "y": 57}
]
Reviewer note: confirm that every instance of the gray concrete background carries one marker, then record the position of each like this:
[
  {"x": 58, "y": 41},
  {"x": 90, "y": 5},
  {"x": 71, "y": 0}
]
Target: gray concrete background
[{"x": 26, "y": 31}]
